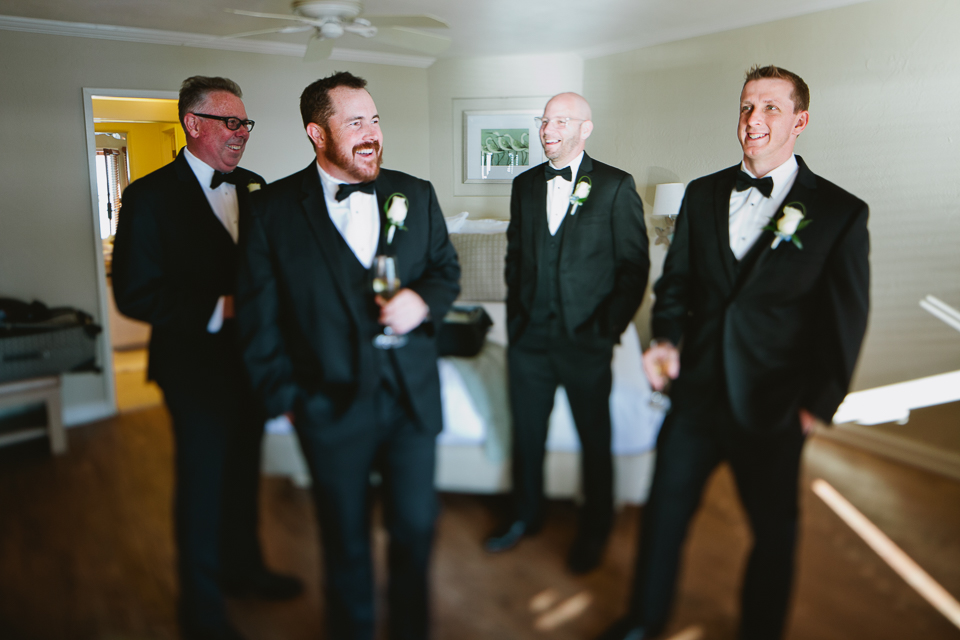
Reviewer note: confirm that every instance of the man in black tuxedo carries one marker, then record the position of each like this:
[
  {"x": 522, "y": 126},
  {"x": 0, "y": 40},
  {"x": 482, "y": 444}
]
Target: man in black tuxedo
[
  {"x": 576, "y": 272},
  {"x": 759, "y": 317},
  {"x": 174, "y": 266},
  {"x": 308, "y": 319}
]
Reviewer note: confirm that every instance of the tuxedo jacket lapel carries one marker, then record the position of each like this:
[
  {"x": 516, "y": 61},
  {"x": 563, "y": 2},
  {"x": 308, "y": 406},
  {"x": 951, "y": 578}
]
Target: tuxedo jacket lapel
[
  {"x": 762, "y": 251},
  {"x": 721, "y": 216},
  {"x": 539, "y": 222},
  {"x": 586, "y": 167},
  {"x": 206, "y": 221},
  {"x": 327, "y": 236}
]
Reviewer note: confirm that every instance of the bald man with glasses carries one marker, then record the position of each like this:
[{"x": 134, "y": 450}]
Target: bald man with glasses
[
  {"x": 174, "y": 267},
  {"x": 576, "y": 272}
]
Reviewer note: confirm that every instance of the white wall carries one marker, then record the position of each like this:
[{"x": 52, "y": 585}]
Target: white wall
[
  {"x": 885, "y": 79},
  {"x": 885, "y": 84},
  {"x": 47, "y": 249}
]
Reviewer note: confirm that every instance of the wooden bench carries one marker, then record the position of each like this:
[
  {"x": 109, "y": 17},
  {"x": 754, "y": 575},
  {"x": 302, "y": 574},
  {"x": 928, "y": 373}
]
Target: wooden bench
[{"x": 46, "y": 390}]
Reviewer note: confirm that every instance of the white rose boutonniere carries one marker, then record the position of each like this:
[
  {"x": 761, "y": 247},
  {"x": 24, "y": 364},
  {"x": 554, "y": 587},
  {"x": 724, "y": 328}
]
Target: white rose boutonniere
[
  {"x": 396, "y": 209},
  {"x": 580, "y": 193},
  {"x": 254, "y": 186},
  {"x": 788, "y": 224}
]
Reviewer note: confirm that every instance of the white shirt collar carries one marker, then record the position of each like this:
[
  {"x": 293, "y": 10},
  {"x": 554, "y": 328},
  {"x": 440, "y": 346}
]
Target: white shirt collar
[
  {"x": 780, "y": 174},
  {"x": 574, "y": 166},
  {"x": 201, "y": 169},
  {"x": 330, "y": 184}
]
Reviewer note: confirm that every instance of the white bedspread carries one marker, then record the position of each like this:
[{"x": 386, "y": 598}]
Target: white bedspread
[{"x": 635, "y": 424}]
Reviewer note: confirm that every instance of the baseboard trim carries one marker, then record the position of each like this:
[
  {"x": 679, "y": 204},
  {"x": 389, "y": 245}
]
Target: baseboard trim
[
  {"x": 903, "y": 450},
  {"x": 88, "y": 412}
]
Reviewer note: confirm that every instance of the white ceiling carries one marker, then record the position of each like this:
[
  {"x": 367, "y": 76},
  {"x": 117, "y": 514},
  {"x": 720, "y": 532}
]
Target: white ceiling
[{"x": 477, "y": 27}]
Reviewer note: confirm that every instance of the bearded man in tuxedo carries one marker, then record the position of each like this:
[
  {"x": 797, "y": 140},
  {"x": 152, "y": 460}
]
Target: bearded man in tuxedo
[
  {"x": 175, "y": 267},
  {"x": 308, "y": 319},
  {"x": 758, "y": 320},
  {"x": 576, "y": 272}
]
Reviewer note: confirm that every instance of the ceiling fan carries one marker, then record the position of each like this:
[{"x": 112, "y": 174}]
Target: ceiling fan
[{"x": 330, "y": 19}]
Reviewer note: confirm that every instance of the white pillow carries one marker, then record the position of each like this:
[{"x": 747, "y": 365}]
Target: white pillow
[
  {"x": 486, "y": 225},
  {"x": 455, "y": 222}
]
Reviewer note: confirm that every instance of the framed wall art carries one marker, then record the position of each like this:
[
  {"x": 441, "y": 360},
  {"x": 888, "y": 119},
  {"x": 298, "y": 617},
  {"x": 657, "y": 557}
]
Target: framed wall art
[{"x": 495, "y": 140}]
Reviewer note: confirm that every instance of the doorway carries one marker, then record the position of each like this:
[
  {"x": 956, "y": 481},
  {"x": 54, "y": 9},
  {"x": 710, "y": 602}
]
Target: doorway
[{"x": 129, "y": 134}]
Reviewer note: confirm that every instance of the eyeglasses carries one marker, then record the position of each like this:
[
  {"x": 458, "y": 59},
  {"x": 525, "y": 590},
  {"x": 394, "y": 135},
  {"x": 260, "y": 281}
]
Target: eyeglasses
[
  {"x": 560, "y": 122},
  {"x": 231, "y": 122}
]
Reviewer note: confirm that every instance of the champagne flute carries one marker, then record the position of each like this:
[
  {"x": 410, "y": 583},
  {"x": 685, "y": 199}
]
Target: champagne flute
[
  {"x": 386, "y": 284},
  {"x": 660, "y": 400}
]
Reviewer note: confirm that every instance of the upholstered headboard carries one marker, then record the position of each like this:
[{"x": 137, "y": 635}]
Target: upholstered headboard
[{"x": 481, "y": 265}]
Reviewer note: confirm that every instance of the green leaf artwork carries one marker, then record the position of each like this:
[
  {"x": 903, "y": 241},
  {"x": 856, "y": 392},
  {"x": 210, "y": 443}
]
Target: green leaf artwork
[{"x": 505, "y": 147}]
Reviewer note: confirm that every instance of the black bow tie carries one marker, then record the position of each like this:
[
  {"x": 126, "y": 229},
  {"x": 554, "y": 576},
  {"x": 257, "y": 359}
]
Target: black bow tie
[
  {"x": 346, "y": 189},
  {"x": 564, "y": 173},
  {"x": 219, "y": 178},
  {"x": 763, "y": 185}
]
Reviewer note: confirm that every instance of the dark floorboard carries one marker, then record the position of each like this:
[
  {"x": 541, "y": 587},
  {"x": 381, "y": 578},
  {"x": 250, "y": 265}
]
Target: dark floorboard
[{"x": 86, "y": 552}]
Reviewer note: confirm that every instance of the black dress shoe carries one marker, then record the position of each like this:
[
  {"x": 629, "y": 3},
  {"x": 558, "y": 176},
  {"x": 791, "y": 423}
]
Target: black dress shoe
[
  {"x": 265, "y": 585},
  {"x": 586, "y": 554},
  {"x": 509, "y": 538},
  {"x": 625, "y": 629}
]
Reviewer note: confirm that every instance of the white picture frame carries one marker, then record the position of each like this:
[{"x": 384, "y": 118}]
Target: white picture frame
[
  {"x": 499, "y": 145},
  {"x": 467, "y": 180}
]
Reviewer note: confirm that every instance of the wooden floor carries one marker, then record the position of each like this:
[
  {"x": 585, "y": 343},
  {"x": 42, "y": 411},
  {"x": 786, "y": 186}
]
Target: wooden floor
[{"x": 86, "y": 553}]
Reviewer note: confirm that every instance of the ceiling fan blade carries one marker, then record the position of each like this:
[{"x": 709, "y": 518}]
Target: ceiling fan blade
[
  {"x": 409, "y": 39},
  {"x": 425, "y": 21},
  {"x": 257, "y": 14},
  {"x": 290, "y": 29},
  {"x": 318, "y": 49}
]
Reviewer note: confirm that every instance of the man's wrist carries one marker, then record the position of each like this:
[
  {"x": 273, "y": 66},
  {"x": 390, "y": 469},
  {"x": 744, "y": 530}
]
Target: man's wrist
[{"x": 660, "y": 342}]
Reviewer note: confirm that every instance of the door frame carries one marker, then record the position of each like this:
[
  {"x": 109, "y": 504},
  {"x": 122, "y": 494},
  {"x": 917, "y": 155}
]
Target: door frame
[{"x": 106, "y": 344}]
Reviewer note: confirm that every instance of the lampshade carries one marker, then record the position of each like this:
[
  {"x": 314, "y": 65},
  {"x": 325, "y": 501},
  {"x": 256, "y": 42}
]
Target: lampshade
[{"x": 667, "y": 199}]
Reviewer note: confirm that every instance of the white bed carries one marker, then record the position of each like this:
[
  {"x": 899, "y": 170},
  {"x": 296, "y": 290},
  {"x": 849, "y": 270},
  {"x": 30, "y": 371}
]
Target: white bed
[{"x": 473, "y": 449}]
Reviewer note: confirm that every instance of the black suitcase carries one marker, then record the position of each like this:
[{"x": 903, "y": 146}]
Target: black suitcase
[{"x": 36, "y": 341}]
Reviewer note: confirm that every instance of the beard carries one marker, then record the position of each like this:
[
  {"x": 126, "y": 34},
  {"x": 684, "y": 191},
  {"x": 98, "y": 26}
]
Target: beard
[{"x": 346, "y": 162}]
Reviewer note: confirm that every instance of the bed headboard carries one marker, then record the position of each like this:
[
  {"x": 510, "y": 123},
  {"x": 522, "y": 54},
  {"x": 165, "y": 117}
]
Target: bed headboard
[{"x": 481, "y": 265}]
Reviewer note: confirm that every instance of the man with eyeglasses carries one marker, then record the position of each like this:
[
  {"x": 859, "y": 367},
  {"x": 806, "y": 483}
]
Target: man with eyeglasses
[
  {"x": 174, "y": 266},
  {"x": 576, "y": 272}
]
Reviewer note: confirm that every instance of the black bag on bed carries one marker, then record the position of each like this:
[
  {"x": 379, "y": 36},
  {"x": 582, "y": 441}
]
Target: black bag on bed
[{"x": 463, "y": 331}]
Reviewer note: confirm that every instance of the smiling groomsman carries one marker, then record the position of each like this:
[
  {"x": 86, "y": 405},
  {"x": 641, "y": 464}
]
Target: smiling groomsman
[
  {"x": 175, "y": 266},
  {"x": 576, "y": 272},
  {"x": 308, "y": 319},
  {"x": 759, "y": 318}
]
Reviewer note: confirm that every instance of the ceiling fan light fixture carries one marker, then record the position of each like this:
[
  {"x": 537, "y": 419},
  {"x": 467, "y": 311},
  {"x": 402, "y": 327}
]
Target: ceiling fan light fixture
[
  {"x": 320, "y": 9},
  {"x": 331, "y": 30}
]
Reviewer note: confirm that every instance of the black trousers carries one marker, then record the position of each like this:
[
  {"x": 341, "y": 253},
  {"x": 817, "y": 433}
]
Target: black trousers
[
  {"x": 218, "y": 431},
  {"x": 766, "y": 469},
  {"x": 537, "y": 366},
  {"x": 405, "y": 457}
]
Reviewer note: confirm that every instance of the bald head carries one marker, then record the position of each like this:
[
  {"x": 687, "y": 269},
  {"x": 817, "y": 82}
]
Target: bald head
[
  {"x": 572, "y": 103},
  {"x": 567, "y": 125}
]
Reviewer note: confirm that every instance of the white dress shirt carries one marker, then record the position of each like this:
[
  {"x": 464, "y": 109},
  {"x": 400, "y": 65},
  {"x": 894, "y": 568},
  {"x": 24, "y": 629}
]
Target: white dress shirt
[
  {"x": 558, "y": 195},
  {"x": 750, "y": 210},
  {"x": 356, "y": 218},
  {"x": 223, "y": 201}
]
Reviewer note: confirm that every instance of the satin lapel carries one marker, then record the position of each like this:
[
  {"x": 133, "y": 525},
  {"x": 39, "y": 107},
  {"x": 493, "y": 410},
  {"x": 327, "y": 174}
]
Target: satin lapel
[
  {"x": 538, "y": 221},
  {"x": 761, "y": 252},
  {"x": 206, "y": 218},
  {"x": 384, "y": 191},
  {"x": 721, "y": 216},
  {"x": 586, "y": 167},
  {"x": 327, "y": 236}
]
